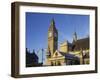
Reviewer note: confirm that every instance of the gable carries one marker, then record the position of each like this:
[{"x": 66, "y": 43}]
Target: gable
[{"x": 57, "y": 54}]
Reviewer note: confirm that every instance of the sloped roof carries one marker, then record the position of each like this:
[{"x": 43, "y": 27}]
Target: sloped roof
[
  {"x": 81, "y": 44},
  {"x": 57, "y": 53},
  {"x": 69, "y": 56},
  {"x": 66, "y": 55}
]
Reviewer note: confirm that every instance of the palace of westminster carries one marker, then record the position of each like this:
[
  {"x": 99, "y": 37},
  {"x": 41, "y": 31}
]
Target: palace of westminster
[{"x": 74, "y": 53}]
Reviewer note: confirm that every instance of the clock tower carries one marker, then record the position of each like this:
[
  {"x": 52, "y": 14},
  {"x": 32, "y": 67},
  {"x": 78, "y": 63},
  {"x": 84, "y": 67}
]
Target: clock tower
[{"x": 52, "y": 39}]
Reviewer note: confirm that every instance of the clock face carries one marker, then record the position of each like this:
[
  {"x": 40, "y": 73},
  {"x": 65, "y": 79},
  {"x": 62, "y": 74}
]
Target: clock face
[{"x": 50, "y": 34}]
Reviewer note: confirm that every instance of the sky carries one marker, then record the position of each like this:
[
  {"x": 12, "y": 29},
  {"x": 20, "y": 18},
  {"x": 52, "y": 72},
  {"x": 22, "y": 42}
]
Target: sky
[{"x": 37, "y": 25}]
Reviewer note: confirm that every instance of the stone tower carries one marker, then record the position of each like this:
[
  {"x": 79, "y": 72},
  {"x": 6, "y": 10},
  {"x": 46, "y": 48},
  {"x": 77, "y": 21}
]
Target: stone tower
[{"x": 52, "y": 39}]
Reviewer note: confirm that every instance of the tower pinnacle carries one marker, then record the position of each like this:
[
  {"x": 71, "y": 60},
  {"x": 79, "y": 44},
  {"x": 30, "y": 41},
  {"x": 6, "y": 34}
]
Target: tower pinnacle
[{"x": 74, "y": 37}]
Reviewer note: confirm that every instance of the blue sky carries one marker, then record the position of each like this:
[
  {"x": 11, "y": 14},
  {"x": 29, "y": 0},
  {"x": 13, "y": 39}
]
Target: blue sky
[{"x": 37, "y": 25}]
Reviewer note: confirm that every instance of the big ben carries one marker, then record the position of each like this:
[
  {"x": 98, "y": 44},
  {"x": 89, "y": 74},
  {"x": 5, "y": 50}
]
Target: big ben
[{"x": 52, "y": 39}]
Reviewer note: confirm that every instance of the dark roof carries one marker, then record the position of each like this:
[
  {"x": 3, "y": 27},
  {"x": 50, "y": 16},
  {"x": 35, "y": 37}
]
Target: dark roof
[
  {"x": 68, "y": 55},
  {"x": 69, "y": 44},
  {"x": 81, "y": 44}
]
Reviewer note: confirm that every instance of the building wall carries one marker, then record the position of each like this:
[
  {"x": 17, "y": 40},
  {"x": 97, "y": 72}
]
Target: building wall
[
  {"x": 64, "y": 47},
  {"x": 56, "y": 61},
  {"x": 80, "y": 54}
]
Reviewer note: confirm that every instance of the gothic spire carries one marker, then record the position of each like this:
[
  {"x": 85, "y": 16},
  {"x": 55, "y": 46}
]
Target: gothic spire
[
  {"x": 75, "y": 37},
  {"x": 52, "y": 25},
  {"x": 53, "y": 22}
]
